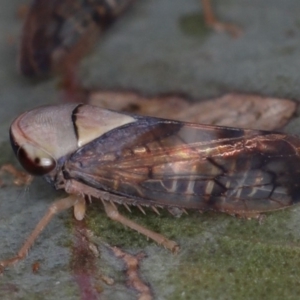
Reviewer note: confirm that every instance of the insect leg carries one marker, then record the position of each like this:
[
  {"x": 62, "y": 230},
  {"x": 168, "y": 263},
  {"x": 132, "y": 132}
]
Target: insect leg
[
  {"x": 113, "y": 213},
  {"x": 212, "y": 21},
  {"x": 80, "y": 208},
  {"x": 20, "y": 178},
  {"x": 55, "y": 208}
]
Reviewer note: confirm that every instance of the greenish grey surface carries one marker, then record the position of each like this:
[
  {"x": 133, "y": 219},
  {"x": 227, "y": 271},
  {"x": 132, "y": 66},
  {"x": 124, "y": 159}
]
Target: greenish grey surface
[{"x": 156, "y": 48}]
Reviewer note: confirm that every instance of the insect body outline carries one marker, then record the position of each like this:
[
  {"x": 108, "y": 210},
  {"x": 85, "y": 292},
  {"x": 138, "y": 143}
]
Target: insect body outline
[{"x": 128, "y": 159}]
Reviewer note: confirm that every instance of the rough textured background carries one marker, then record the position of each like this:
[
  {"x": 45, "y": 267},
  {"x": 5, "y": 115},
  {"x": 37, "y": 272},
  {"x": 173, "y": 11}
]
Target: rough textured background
[{"x": 160, "y": 46}]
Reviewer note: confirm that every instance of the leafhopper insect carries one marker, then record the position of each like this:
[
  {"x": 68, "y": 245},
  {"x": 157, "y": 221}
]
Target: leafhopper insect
[{"x": 129, "y": 159}]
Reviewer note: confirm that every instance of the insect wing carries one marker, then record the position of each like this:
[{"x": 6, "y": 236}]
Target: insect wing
[{"x": 168, "y": 163}]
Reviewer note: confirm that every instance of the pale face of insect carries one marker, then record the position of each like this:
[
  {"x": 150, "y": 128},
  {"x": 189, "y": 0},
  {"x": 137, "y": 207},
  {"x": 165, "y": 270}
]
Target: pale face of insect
[{"x": 41, "y": 136}]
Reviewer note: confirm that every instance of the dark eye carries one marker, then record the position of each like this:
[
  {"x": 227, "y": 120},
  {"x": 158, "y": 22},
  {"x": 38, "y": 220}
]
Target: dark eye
[
  {"x": 33, "y": 159},
  {"x": 37, "y": 166}
]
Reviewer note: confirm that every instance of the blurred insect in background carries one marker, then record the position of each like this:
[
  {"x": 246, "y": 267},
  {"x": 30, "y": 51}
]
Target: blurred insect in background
[{"x": 58, "y": 33}]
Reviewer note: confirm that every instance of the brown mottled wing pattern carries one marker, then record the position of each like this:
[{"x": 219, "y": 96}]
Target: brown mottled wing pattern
[
  {"x": 186, "y": 165},
  {"x": 56, "y": 29}
]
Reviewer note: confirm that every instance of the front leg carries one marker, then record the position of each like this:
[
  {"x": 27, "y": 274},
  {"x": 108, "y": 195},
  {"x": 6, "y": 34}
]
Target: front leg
[
  {"x": 20, "y": 178},
  {"x": 55, "y": 208}
]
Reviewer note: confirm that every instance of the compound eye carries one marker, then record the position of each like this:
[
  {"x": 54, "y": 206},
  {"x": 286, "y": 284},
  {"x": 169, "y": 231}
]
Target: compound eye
[{"x": 35, "y": 161}]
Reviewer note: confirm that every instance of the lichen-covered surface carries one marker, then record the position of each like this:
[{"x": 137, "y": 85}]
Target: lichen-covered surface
[{"x": 159, "y": 46}]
